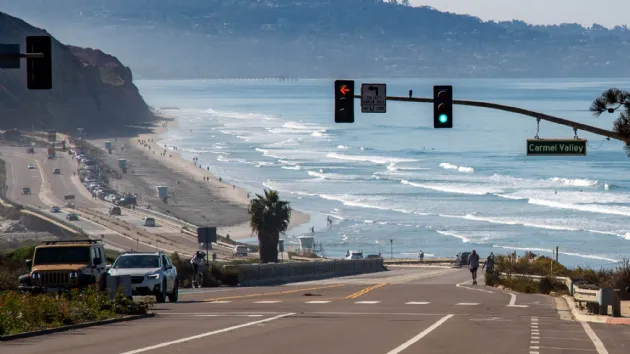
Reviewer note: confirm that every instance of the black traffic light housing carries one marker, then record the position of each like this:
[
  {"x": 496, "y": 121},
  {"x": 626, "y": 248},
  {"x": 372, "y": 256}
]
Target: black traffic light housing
[
  {"x": 39, "y": 70},
  {"x": 443, "y": 106},
  {"x": 344, "y": 101}
]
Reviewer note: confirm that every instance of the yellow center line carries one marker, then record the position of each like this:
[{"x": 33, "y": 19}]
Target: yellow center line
[
  {"x": 365, "y": 290},
  {"x": 269, "y": 294}
]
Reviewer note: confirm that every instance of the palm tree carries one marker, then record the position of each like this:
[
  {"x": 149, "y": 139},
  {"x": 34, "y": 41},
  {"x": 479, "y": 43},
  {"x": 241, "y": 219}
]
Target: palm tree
[
  {"x": 269, "y": 216},
  {"x": 610, "y": 101}
]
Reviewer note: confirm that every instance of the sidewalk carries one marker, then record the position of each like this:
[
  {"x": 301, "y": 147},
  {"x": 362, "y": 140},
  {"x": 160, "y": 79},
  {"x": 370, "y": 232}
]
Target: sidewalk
[{"x": 582, "y": 316}]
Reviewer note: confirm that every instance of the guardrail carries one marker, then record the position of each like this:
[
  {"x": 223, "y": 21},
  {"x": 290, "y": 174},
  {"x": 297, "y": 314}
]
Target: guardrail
[
  {"x": 435, "y": 260},
  {"x": 278, "y": 273}
]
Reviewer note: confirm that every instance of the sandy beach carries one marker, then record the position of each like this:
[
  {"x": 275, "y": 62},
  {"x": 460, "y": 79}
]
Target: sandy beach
[{"x": 196, "y": 194}]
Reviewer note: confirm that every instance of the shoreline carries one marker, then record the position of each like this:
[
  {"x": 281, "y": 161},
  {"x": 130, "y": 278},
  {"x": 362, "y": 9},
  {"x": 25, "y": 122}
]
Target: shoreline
[{"x": 226, "y": 191}]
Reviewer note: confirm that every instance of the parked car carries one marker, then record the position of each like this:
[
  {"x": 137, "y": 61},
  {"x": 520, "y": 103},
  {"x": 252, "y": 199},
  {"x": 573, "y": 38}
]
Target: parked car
[
  {"x": 56, "y": 171},
  {"x": 115, "y": 211},
  {"x": 462, "y": 259},
  {"x": 26, "y": 191},
  {"x": 55, "y": 209},
  {"x": 149, "y": 222},
  {"x": 354, "y": 255},
  {"x": 31, "y": 166},
  {"x": 72, "y": 217}
]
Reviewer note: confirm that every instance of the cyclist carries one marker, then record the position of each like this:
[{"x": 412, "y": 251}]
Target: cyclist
[{"x": 196, "y": 261}]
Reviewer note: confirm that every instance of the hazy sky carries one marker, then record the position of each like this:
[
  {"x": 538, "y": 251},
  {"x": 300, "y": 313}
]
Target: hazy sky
[{"x": 608, "y": 13}]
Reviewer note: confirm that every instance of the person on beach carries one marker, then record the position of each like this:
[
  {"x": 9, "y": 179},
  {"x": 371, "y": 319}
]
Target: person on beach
[
  {"x": 328, "y": 219},
  {"x": 421, "y": 255},
  {"x": 473, "y": 265}
]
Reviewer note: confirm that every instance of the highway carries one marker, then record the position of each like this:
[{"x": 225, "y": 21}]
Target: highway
[
  {"x": 406, "y": 310},
  {"x": 49, "y": 189}
]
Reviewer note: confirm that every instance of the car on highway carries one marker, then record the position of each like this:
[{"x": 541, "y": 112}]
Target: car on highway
[
  {"x": 149, "y": 222},
  {"x": 152, "y": 273},
  {"x": 26, "y": 191},
  {"x": 239, "y": 251},
  {"x": 31, "y": 166},
  {"x": 55, "y": 209},
  {"x": 72, "y": 217},
  {"x": 56, "y": 171}
]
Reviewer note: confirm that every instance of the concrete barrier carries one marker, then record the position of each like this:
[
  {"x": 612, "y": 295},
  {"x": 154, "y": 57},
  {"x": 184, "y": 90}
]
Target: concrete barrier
[{"x": 267, "y": 274}]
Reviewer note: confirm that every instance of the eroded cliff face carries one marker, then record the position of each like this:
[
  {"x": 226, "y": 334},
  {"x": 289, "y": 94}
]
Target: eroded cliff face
[{"x": 91, "y": 89}]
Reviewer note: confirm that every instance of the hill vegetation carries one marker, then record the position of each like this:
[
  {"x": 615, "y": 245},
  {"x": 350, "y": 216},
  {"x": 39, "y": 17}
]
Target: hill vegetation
[{"x": 326, "y": 38}]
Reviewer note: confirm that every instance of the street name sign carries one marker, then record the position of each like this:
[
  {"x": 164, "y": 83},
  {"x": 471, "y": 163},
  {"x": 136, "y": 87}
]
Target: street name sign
[
  {"x": 556, "y": 147},
  {"x": 373, "y": 98}
]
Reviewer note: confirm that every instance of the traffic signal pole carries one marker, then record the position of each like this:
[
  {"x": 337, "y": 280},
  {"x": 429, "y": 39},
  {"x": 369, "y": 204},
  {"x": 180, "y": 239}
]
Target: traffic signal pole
[{"x": 539, "y": 116}]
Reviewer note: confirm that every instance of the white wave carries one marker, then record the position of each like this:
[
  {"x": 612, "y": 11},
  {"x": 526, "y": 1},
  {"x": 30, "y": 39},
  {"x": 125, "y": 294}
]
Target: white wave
[
  {"x": 238, "y": 115},
  {"x": 394, "y": 167},
  {"x": 575, "y": 182},
  {"x": 373, "y": 159},
  {"x": 296, "y": 167},
  {"x": 455, "y": 188},
  {"x": 264, "y": 163},
  {"x": 449, "y": 233},
  {"x": 342, "y": 147},
  {"x": 448, "y": 166},
  {"x": 320, "y": 133},
  {"x": 362, "y": 202},
  {"x": 333, "y": 176},
  {"x": 546, "y": 250},
  {"x": 591, "y": 208}
]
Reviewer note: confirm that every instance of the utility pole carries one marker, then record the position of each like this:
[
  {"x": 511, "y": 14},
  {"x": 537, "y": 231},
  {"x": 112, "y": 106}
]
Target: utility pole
[{"x": 391, "y": 248}]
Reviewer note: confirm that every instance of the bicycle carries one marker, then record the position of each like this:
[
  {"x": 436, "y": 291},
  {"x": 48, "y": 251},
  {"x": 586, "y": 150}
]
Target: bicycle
[{"x": 198, "y": 278}]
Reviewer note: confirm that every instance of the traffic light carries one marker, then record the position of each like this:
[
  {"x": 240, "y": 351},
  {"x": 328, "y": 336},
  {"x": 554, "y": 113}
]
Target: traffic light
[
  {"x": 344, "y": 101},
  {"x": 442, "y": 106},
  {"x": 39, "y": 70}
]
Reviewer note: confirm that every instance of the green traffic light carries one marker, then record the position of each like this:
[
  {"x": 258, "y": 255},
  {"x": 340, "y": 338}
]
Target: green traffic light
[{"x": 443, "y": 118}]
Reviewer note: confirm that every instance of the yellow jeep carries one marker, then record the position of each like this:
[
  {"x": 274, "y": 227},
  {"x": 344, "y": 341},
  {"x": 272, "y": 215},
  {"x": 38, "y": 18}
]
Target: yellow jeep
[{"x": 63, "y": 265}]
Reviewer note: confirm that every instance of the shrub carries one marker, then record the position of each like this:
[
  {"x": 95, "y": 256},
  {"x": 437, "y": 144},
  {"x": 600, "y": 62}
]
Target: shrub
[{"x": 23, "y": 312}]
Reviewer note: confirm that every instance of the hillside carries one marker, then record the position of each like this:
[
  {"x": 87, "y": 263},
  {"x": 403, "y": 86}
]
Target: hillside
[
  {"x": 91, "y": 89},
  {"x": 325, "y": 38}
]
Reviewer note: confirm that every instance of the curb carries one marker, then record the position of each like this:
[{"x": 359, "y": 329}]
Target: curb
[
  {"x": 581, "y": 317},
  {"x": 71, "y": 327}
]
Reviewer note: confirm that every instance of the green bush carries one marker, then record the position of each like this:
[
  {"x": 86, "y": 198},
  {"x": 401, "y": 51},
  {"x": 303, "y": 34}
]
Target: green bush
[{"x": 23, "y": 312}]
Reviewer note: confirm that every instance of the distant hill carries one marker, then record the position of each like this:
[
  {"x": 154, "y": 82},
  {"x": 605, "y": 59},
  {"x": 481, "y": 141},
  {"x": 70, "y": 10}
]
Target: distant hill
[
  {"x": 326, "y": 38},
  {"x": 91, "y": 89}
]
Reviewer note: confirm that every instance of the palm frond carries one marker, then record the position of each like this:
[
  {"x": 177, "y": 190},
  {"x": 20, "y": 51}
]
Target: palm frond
[{"x": 622, "y": 124}]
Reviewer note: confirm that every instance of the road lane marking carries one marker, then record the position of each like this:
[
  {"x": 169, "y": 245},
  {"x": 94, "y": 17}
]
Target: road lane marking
[
  {"x": 417, "y": 303},
  {"x": 467, "y": 304},
  {"x": 268, "y": 294},
  {"x": 601, "y": 349},
  {"x": 365, "y": 290},
  {"x": 267, "y": 302},
  {"x": 202, "y": 335},
  {"x": 219, "y": 302},
  {"x": 420, "y": 335},
  {"x": 317, "y": 302},
  {"x": 513, "y": 301},
  {"x": 470, "y": 281},
  {"x": 367, "y": 302}
]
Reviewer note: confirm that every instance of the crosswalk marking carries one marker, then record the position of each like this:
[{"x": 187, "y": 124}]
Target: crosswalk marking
[
  {"x": 417, "y": 303},
  {"x": 317, "y": 302},
  {"x": 467, "y": 304},
  {"x": 367, "y": 302},
  {"x": 267, "y": 302}
]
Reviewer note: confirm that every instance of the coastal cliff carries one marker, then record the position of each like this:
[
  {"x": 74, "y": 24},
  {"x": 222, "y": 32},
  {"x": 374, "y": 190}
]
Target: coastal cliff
[{"x": 91, "y": 89}]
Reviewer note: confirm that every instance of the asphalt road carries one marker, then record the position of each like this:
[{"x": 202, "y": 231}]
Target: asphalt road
[{"x": 413, "y": 310}]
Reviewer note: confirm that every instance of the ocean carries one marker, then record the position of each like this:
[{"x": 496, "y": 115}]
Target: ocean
[{"x": 394, "y": 185}]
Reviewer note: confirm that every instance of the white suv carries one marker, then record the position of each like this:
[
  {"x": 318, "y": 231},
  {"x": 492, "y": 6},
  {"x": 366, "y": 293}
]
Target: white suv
[{"x": 152, "y": 273}]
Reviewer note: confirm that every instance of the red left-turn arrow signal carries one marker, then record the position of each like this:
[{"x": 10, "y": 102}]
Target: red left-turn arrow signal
[{"x": 344, "y": 89}]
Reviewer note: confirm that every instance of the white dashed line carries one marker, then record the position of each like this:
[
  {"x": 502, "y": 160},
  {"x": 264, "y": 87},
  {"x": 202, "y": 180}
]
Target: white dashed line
[
  {"x": 317, "y": 302},
  {"x": 267, "y": 302},
  {"x": 219, "y": 302},
  {"x": 367, "y": 302},
  {"x": 533, "y": 349},
  {"x": 417, "y": 303},
  {"x": 467, "y": 304}
]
